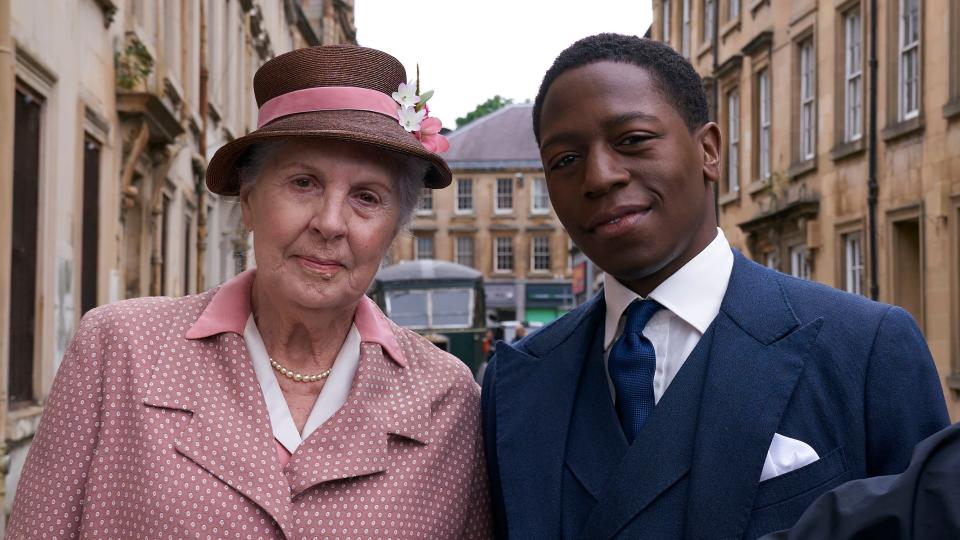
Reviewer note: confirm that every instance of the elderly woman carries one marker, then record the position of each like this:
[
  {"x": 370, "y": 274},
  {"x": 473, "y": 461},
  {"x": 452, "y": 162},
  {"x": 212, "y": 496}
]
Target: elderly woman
[{"x": 282, "y": 404}]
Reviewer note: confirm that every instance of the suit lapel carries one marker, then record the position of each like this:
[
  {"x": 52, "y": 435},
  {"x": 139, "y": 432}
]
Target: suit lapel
[
  {"x": 539, "y": 384},
  {"x": 229, "y": 432},
  {"x": 354, "y": 441},
  {"x": 758, "y": 353},
  {"x": 596, "y": 442},
  {"x": 661, "y": 454}
]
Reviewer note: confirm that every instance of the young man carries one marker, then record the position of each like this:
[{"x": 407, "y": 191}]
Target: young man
[{"x": 700, "y": 395}]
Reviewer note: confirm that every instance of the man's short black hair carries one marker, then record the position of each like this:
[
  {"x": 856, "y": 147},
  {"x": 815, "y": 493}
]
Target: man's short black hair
[{"x": 673, "y": 74}]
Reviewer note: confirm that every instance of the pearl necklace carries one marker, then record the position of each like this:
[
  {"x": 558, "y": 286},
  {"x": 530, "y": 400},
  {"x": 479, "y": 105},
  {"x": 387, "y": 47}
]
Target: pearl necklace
[{"x": 299, "y": 377}]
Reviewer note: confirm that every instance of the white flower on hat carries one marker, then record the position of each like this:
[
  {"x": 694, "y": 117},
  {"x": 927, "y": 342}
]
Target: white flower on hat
[
  {"x": 411, "y": 118},
  {"x": 406, "y": 95}
]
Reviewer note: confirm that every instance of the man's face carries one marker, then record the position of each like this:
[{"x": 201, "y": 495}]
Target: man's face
[{"x": 627, "y": 178}]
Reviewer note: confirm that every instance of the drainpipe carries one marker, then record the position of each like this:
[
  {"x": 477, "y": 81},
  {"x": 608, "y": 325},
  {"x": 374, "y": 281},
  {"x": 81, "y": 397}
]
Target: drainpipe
[
  {"x": 872, "y": 187},
  {"x": 716, "y": 95}
]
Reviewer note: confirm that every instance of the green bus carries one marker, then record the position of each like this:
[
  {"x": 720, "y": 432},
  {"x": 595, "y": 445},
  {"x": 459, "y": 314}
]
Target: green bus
[{"x": 439, "y": 300}]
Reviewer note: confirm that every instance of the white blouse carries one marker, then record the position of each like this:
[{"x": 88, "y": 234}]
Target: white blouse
[{"x": 332, "y": 396}]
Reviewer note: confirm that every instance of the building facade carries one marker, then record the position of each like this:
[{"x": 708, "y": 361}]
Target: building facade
[
  {"x": 832, "y": 171},
  {"x": 496, "y": 217},
  {"x": 114, "y": 108}
]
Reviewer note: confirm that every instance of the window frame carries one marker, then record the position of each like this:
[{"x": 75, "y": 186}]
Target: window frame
[
  {"x": 905, "y": 49},
  {"x": 539, "y": 183},
  {"x": 533, "y": 253},
  {"x": 460, "y": 196},
  {"x": 708, "y": 19},
  {"x": 764, "y": 155},
  {"x": 497, "y": 208},
  {"x": 850, "y": 270},
  {"x": 426, "y": 194},
  {"x": 685, "y": 29},
  {"x": 496, "y": 254},
  {"x": 458, "y": 250},
  {"x": 800, "y": 266},
  {"x": 665, "y": 21},
  {"x": 807, "y": 99},
  {"x": 852, "y": 111},
  {"x": 417, "y": 250},
  {"x": 733, "y": 104}
]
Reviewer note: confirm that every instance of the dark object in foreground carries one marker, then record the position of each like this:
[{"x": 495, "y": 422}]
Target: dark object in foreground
[{"x": 921, "y": 502}]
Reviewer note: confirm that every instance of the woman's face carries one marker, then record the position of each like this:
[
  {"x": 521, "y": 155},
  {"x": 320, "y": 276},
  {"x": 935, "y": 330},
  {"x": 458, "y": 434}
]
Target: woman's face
[{"x": 323, "y": 214}]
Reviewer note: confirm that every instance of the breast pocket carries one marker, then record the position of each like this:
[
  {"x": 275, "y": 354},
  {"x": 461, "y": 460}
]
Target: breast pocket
[
  {"x": 796, "y": 483},
  {"x": 781, "y": 500}
]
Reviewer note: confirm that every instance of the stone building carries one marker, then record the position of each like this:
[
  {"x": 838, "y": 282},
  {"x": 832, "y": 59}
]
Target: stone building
[
  {"x": 111, "y": 109},
  {"x": 812, "y": 185},
  {"x": 496, "y": 217}
]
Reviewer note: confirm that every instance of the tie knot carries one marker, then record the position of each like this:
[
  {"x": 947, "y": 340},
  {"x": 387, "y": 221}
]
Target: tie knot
[{"x": 639, "y": 314}]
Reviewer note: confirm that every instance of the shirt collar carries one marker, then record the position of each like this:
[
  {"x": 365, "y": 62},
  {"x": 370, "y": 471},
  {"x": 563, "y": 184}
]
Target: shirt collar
[
  {"x": 229, "y": 309},
  {"x": 693, "y": 293}
]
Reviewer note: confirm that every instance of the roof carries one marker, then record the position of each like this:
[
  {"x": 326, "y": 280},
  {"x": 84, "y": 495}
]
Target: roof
[
  {"x": 502, "y": 139},
  {"x": 426, "y": 269}
]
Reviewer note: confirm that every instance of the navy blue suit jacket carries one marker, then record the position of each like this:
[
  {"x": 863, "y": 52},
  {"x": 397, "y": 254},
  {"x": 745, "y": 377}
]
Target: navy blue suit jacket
[{"x": 850, "y": 377}]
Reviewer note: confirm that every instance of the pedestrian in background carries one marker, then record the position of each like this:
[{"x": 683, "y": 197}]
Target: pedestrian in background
[
  {"x": 282, "y": 404},
  {"x": 519, "y": 333}
]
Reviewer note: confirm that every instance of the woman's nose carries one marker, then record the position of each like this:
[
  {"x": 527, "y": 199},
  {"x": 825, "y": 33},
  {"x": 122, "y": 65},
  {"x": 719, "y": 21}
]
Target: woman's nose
[{"x": 329, "y": 217}]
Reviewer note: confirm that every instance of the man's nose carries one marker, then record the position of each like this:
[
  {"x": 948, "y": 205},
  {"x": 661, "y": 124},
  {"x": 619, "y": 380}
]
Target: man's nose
[{"x": 603, "y": 172}]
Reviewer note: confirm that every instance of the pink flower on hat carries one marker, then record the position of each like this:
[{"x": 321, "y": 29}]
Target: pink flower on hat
[{"x": 430, "y": 138}]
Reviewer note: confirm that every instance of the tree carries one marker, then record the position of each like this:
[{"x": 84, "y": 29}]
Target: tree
[{"x": 485, "y": 108}]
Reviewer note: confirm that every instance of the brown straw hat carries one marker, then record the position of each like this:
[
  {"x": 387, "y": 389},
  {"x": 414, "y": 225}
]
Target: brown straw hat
[{"x": 327, "y": 66}]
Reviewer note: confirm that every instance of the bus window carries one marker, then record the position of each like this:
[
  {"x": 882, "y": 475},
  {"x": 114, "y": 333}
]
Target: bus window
[
  {"x": 452, "y": 308},
  {"x": 408, "y": 308}
]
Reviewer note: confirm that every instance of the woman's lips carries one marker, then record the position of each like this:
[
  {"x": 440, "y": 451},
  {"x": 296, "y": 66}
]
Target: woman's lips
[
  {"x": 622, "y": 224},
  {"x": 322, "y": 266}
]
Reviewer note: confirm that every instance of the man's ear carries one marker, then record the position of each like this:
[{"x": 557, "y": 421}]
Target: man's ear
[{"x": 710, "y": 144}]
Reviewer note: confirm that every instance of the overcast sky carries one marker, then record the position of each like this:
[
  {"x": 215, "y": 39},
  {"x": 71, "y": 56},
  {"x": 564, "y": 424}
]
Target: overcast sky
[{"x": 471, "y": 50}]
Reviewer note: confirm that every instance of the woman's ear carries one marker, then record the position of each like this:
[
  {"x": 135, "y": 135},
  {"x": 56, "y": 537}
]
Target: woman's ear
[
  {"x": 246, "y": 208},
  {"x": 710, "y": 143}
]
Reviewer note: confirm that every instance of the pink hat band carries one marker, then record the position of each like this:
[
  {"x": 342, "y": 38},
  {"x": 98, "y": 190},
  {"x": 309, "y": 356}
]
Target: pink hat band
[{"x": 327, "y": 98}]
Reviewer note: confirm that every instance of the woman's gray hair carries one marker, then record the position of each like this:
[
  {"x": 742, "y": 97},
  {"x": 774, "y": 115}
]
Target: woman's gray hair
[{"x": 410, "y": 184}]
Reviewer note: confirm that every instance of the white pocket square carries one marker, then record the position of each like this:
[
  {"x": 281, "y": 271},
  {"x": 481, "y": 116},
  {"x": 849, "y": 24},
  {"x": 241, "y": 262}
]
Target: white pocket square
[{"x": 785, "y": 455}]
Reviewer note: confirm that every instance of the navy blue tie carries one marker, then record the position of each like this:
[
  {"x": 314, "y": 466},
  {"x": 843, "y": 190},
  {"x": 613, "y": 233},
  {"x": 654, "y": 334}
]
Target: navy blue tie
[{"x": 632, "y": 363}]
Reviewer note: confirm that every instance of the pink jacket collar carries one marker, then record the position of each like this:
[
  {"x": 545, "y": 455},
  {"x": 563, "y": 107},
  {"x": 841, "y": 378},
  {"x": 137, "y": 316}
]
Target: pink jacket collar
[{"x": 229, "y": 309}]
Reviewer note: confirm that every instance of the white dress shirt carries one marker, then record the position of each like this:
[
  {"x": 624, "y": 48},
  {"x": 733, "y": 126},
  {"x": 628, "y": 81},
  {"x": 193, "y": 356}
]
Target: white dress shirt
[
  {"x": 691, "y": 299},
  {"x": 332, "y": 396}
]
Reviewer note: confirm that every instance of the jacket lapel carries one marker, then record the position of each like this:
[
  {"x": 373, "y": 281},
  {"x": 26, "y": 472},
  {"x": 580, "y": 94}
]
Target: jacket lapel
[
  {"x": 758, "y": 353},
  {"x": 539, "y": 382},
  {"x": 596, "y": 443},
  {"x": 229, "y": 432},
  {"x": 661, "y": 454},
  {"x": 354, "y": 442}
]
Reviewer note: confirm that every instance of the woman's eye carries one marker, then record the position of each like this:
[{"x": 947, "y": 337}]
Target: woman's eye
[
  {"x": 302, "y": 182},
  {"x": 368, "y": 197}
]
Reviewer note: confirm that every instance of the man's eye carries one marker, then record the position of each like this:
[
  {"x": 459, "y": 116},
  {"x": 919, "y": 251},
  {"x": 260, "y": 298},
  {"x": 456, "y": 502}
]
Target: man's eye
[
  {"x": 564, "y": 161},
  {"x": 634, "y": 139}
]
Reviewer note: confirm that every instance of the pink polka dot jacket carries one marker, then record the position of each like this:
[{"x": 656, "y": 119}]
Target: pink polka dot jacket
[{"x": 149, "y": 434}]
